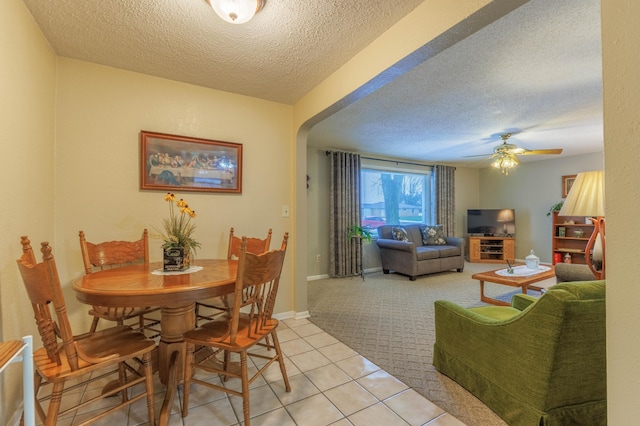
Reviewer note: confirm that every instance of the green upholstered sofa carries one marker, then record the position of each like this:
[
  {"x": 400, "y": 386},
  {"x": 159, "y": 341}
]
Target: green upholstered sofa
[{"x": 536, "y": 362}]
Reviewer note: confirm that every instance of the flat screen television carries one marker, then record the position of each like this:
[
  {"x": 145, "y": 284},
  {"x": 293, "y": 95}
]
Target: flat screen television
[{"x": 491, "y": 222}]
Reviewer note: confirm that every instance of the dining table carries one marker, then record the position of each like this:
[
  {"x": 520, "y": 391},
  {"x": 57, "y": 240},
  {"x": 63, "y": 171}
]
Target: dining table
[{"x": 175, "y": 292}]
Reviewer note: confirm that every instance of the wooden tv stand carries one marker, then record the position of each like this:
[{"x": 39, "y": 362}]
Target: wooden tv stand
[{"x": 492, "y": 249}]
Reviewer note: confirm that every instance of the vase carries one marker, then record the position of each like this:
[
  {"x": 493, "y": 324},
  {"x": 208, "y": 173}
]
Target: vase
[
  {"x": 186, "y": 260},
  {"x": 174, "y": 259}
]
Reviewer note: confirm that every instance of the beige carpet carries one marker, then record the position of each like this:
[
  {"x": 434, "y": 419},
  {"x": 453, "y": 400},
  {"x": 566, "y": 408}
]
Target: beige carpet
[{"x": 390, "y": 321}]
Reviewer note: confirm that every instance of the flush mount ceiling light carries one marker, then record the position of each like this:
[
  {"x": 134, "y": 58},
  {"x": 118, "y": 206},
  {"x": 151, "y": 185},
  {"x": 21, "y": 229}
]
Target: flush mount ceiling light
[{"x": 236, "y": 11}]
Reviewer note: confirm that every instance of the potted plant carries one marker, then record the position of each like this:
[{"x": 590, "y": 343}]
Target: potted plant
[
  {"x": 362, "y": 232},
  {"x": 555, "y": 208},
  {"x": 178, "y": 234}
]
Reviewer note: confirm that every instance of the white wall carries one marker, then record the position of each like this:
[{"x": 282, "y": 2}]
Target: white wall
[
  {"x": 100, "y": 113},
  {"x": 531, "y": 189},
  {"x": 467, "y": 196},
  {"x": 27, "y": 88},
  {"x": 621, "y": 67},
  {"x": 318, "y": 211}
]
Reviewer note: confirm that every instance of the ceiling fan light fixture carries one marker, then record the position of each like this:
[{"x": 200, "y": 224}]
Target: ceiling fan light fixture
[
  {"x": 505, "y": 162},
  {"x": 506, "y": 154},
  {"x": 236, "y": 11}
]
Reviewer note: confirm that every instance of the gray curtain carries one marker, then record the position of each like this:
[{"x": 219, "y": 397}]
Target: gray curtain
[
  {"x": 445, "y": 185},
  {"x": 344, "y": 254}
]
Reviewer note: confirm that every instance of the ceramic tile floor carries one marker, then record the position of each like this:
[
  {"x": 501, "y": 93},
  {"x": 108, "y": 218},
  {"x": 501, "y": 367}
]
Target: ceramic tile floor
[{"x": 330, "y": 385}]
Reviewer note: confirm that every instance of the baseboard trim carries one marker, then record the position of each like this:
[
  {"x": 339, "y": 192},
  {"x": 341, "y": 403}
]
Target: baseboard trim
[
  {"x": 317, "y": 277},
  {"x": 291, "y": 314},
  {"x": 325, "y": 276}
]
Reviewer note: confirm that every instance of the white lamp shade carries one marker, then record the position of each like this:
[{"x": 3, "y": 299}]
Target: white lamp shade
[
  {"x": 586, "y": 197},
  {"x": 236, "y": 11},
  {"x": 505, "y": 215}
]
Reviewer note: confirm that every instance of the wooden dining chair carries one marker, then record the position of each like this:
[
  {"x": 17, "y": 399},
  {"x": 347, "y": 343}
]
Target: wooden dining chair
[
  {"x": 114, "y": 254},
  {"x": 207, "y": 310},
  {"x": 245, "y": 326},
  {"x": 69, "y": 362}
]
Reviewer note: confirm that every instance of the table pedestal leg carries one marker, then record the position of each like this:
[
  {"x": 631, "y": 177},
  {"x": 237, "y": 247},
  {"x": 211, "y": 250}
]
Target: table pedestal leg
[
  {"x": 175, "y": 322},
  {"x": 172, "y": 388}
]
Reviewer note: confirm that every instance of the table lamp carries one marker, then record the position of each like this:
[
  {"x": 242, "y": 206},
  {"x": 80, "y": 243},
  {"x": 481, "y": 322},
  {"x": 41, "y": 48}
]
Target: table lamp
[
  {"x": 586, "y": 198},
  {"x": 505, "y": 216}
]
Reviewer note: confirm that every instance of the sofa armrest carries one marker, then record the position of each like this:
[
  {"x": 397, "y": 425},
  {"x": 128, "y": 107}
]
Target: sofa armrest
[
  {"x": 455, "y": 241},
  {"x": 566, "y": 272},
  {"x": 522, "y": 301},
  {"x": 396, "y": 245}
]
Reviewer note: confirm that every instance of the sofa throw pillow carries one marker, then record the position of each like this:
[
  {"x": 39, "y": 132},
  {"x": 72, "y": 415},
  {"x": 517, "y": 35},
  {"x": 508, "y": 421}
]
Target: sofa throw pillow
[
  {"x": 399, "y": 233},
  {"x": 433, "y": 235}
]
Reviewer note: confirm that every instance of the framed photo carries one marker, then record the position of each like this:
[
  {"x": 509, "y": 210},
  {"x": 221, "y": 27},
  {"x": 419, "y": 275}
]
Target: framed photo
[
  {"x": 567, "y": 183},
  {"x": 562, "y": 231},
  {"x": 182, "y": 163}
]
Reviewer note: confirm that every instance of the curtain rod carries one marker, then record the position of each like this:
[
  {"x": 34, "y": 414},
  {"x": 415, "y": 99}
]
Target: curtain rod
[{"x": 391, "y": 161}]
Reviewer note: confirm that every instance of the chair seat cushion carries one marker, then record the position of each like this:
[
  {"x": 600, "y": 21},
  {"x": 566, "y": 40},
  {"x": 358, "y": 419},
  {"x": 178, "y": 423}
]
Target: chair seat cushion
[
  {"x": 425, "y": 253},
  {"x": 119, "y": 343},
  {"x": 500, "y": 313},
  {"x": 216, "y": 333},
  {"x": 434, "y": 252}
]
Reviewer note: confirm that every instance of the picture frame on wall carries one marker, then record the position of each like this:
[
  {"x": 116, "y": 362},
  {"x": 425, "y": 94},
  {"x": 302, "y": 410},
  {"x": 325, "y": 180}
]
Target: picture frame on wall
[
  {"x": 182, "y": 163},
  {"x": 567, "y": 183}
]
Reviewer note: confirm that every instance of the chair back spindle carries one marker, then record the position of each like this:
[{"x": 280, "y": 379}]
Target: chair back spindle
[
  {"x": 256, "y": 287},
  {"x": 245, "y": 325},
  {"x": 44, "y": 290},
  {"x": 113, "y": 254},
  {"x": 209, "y": 309},
  {"x": 67, "y": 359},
  {"x": 254, "y": 245}
]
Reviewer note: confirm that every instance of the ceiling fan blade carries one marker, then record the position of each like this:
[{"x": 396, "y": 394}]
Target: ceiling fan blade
[
  {"x": 481, "y": 155},
  {"x": 541, "y": 151}
]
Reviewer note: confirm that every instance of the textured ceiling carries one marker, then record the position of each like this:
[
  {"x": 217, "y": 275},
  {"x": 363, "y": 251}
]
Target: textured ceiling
[
  {"x": 535, "y": 71},
  {"x": 288, "y": 48}
]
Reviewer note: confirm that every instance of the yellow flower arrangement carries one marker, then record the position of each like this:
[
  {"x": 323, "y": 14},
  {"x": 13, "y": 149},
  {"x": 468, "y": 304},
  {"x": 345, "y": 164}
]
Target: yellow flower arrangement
[{"x": 179, "y": 228}]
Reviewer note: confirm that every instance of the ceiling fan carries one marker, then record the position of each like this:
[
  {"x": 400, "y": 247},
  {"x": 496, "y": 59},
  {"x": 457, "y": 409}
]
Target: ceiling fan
[{"x": 506, "y": 154}]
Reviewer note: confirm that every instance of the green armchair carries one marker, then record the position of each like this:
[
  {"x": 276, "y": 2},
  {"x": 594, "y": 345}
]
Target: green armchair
[{"x": 536, "y": 362}]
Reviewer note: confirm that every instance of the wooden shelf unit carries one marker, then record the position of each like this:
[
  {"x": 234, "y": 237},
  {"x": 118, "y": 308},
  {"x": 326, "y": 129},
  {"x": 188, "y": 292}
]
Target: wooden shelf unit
[
  {"x": 570, "y": 243},
  {"x": 492, "y": 249}
]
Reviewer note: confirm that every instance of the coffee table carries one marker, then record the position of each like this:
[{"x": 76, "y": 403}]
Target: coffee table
[{"x": 523, "y": 281}]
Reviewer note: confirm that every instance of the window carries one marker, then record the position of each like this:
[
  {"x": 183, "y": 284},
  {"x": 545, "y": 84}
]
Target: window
[{"x": 394, "y": 194}]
